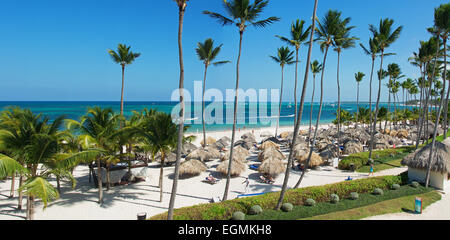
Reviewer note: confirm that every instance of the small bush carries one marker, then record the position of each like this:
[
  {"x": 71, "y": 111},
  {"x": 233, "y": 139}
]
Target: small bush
[
  {"x": 378, "y": 191},
  {"x": 287, "y": 207},
  {"x": 310, "y": 202},
  {"x": 255, "y": 210},
  {"x": 354, "y": 195},
  {"x": 334, "y": 198},
  {"x": 395, "y": 187},
  {"x": 238, "y": 216},
  {"x": 415, "y": 184}
]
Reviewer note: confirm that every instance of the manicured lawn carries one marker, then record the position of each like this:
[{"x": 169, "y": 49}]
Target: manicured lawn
[
  {"x": 321, "y": 208},
  {"x": 402, "y": 204},
  {"x": 382, "y": 166}
]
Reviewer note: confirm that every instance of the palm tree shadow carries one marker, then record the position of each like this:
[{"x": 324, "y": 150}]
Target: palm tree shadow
[{"x": 406, "y": 210}]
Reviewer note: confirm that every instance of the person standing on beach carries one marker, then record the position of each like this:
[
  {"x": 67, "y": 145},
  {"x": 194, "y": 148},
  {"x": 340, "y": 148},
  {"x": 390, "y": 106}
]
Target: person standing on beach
[
  {"x": 371, "y": 169},
  {"x": 247, "y": 182}
]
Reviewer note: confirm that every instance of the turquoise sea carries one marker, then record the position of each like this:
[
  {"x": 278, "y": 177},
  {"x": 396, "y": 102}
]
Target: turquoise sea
[{"x": 250, "y": 115}]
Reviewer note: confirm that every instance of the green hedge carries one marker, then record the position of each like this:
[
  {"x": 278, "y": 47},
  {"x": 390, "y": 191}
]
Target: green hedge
[
  {"x": 224, "y": 210},
  {"x": 360, "y": 159}
]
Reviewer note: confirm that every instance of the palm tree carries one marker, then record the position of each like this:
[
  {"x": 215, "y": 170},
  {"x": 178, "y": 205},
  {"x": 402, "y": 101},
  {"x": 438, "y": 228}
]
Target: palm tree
[
  {"x": 299, "y": 116},
  {"x": 182, "y": 4},
  {"x": 207, "y": 53},
  {"x": 394, "y": 73},
  {"x": 342, "y": 41},
  {"x": 124, "y": 57},
  {"x": 385, "y": 36},
  {"x": 298, "y": 37},
  {"x": 243, "y": 14},
  {"x": 316, "y": 67},
  {"x": 442, "y": 28},
  {"x": 284, "y": 57},
  {"x": 327, "y": 30},
  {"x": 161, "y": 132},
  {"x": 358, "y": 77}
]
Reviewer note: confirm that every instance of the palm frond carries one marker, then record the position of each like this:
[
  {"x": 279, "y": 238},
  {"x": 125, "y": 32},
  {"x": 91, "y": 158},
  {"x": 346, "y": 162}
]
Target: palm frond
[{"x": 40, "y": 188}]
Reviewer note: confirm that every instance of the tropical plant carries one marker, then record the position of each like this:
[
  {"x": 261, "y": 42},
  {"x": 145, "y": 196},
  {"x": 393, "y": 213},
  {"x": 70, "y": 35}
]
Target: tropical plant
[
  {"x": 124, "y": 57},
  {"x": 316, "y": 67},
  {"x": 284, "y": 57},
  {"x": 242, "y": 14}
]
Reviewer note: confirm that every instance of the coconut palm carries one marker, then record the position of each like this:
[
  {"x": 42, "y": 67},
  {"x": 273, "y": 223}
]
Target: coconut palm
[
  {"x": 328, "y": 28},
  {"x": 316, "y": 67},
  {"x": 284, "y": 57},
  {"x": 124, "y": 57},
  {"x": 442, "y": 28},
  {"x": 161, "y": 132},
  {"x": 385, "y": 35},
  {"x": 207, "y": 53},
  {"x": 242, "y": 14},
  {"x": 297, "y": 123},
  {"x": 299, "y": 35},
  {"x": 358, "y": 77},
  {"x": 182, "y": 4},
  {"x": 342, "y": 41}
]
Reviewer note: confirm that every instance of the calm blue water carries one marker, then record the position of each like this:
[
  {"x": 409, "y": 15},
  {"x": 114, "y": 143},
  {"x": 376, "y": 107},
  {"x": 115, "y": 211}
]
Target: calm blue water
[{"x": 255, "y": 115}]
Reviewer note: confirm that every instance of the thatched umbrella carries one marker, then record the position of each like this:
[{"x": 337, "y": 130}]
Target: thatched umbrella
[
  {"x": 237, "y": 168},
  {"x": 382, "y": 144},
  {"x": 213, "y": 153},
  {"x": 169, "y": 159},
  {"x": 239, "y": 153},
  {"x": 244, "y": 144},
  {"x": 353, "y": 146},
  {"x": 188, "y": 148},
  {"x": 192, "y": 168},
  {"x": 249, "y": 137},
  {"x": 402, "y": 133},
  {"x": 270, "y": 153},
  {"x": 209, "y": 141},
  {"x": 329, "y": 152},
  {"x": 268, "y": 144},
  {"x": 285, "y": 135},
  {"x": 447, "y": 142},
  {"x": 419, "y": 158},
  {"x": 272, "y": 167},
  {"x": 199, "y": 154},
  {"x": 315, "y": 161}
]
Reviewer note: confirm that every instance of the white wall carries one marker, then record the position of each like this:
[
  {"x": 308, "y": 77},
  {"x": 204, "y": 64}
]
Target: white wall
[{"x": 437, "y": 179}]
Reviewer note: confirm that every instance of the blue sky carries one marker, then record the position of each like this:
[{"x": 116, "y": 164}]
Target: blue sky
[{"x": 56, "y": 50}]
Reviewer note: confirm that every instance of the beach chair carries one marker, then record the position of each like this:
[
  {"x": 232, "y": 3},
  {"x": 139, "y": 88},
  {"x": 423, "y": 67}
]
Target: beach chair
[
  {"x": 254, "y": 167},
  {"x": 210, "y": 181}
]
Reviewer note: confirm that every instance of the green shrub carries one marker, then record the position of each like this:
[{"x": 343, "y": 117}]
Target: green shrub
[
  {"x": 395, "y": 187},
  {"x": 378, "y": 191},
  {"x": 287, "y": 207},
  {"x": 310, "y": 202},
  {"x": 255, "y": 210},
  {"x": 238, "y": 216},
  {"x": 334, "y": 198},
  {"x": 354, "y": 195},
  {"x": 415, "y": 184}
]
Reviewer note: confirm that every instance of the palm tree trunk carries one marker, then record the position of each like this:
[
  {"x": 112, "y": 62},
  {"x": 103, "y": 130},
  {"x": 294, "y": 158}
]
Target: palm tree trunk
[
  {"x": 58, "y": 184},
  {"x": 299, "y": 116},
  {"x": 281, "y": 101},
  {"x": 99, "y": 182},
  {"x": 13, "y": 180},
  {"x": 339, "y": 105},
  {"x": 296, "y": 83},
  {"x": 19, "y": 205},
  {"x": 370, "y": 96},
  {"x": 121, "y": 96},
  {"x": 161, "y": 174},
  {"x": 182, "y": 9},
  {"x": 108, "y": 180},
  {"x": 317, "y": 123},
  {"x": 372, "y": 137},
  {"x": 421, "y": 108},
  {"x": 311, "y": 111},
  {"x": 357, "y": 105},
  {"x": 233, "y": 133},
  {"x": 436, "y": 124},
  {"x": 388, "y": 108},
  {"x": 444, "y": 76},
  {"x": 203, "y": 106}
]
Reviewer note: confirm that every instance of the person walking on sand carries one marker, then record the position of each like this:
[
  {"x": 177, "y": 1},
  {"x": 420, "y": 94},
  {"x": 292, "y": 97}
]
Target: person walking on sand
[
  {"x": 247, "y": 182},
  {"x": 371, "y": 169}
]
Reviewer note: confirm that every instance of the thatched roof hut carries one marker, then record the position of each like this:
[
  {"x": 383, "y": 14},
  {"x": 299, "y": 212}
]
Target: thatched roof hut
[
  {"x": 192, "y": 168},
  {"x": 188, "y": 148},
  {"x": 272, "y": 167},
  {"x": 249, "y": 137},
  {"x": 236, "y": 169},
  {"x": 271, "y": 153},
  {"x": 315, "y": 161},
  {"x": 239, "y": 153},
  {"x": 329, "y": 152},
  {"x": 285, "y": 135},
  {"x": 353, "y": 146},
  {"x": 170, "y": 158},
  {"x": 419, "y": 158},
  {"x": 268, "y": 144},
  {"x": 209, "y": 141},
  {"x": 206, "y": 154}
]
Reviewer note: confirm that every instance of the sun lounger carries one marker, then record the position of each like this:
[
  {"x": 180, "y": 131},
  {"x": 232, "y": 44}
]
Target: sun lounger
[
  {"x": 212, "y": 182},
  {"x": 254, "y": 167}
]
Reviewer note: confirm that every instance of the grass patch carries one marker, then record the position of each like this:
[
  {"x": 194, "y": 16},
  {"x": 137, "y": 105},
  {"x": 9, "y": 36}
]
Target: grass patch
[
  {"x": 402, "y": 204},
  {"x": 326, "y": 207},
  {"x": 382, "y": 166}
]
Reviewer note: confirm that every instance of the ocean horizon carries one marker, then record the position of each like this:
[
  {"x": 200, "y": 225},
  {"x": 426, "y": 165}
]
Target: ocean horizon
[{"x": 255, "y": 115}]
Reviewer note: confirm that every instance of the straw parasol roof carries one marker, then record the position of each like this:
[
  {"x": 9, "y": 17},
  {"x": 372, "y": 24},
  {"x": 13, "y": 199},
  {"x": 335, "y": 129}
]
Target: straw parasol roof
[
  {"x": 353, "y": 146},
  {"x": 192, "y": 168},
  {"x": 239, "y": 153},
  {"x": 268, "y": 144},
  {"x": 209, "y": 141},
  {"x": 270, "y": 153},
  {"x": 329, "y": 152},
  {"x": 236, "y": 169},
  {"x": 315, "y": 161},
  {"x": 169, "y": 158},
  {"x": 188, "y": 148},
  {"x": 249, "y": 137},
  {"x": 206, "y": 154},
  {"x": 285, "y": 134},
  {"x": 419, "y": 158},
  {"x": 213, "y": 153},
  {"x": 272, "y": 167},
  {"x": 402, "y": 133}
]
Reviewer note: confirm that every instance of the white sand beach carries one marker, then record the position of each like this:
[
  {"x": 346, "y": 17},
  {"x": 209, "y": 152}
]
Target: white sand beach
[{"x": 125, "y": 202}]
